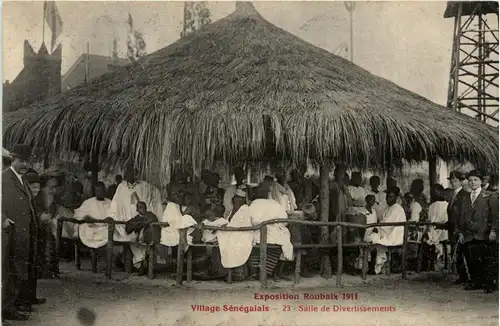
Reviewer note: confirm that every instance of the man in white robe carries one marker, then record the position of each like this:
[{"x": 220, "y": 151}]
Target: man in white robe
[
  {"x": 123, "y": 208},
  {"x": 390, "y": 235},
  {"x": 96, "y": 208}
]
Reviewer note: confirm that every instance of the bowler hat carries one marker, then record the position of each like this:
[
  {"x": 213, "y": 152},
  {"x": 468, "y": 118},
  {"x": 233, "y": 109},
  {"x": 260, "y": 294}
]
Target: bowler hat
[
  {"x": 475, "y": 173},
  {"x": 21, "y": 151},
  {"x": 456, "y": 174}
]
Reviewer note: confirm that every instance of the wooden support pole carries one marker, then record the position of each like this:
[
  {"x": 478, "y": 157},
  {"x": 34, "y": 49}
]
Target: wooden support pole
[
  {"x": 95, "y": 168},
  {"x": 180, "y": 256},
  {"x": 93, "y": 255},
  {"x": 433, "y": 175},
  {"x": 298, "y": 263},
  {"x": 78, "y": 261},
  {"x": 263, "y": 256},
  {"x": 128, "y": 257},
  {"x": 152, "y": 260},
  {"x": 189, "y": 265},
  {"x": 58, "y": 243},
  {"x": 109, "y": 249},
  {"x": 325, "y": 214},
  {"x": 340, "y": 257},
  {"x": 405, "y": 251},
  {"x": 366, "y": 253}
]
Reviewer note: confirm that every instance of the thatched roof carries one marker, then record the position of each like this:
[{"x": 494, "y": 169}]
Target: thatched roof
[{"x": 240, "y": 87}]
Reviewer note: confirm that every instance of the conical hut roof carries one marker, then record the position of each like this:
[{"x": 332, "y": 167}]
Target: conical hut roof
[{"x": 239, "y": 87}]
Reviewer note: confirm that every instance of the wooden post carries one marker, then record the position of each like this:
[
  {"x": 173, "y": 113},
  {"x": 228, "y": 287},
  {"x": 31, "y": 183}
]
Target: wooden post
[
  {"x": 109, "y": 249},
  {"x": 152, "y": 260},
  {"x": 180, "y": 255},
  {"x": 128, "y": 257},
  {"x": 433, "y": 177},
  {"x": 93, "y": 254},
  {"x": 366, "y": 253},
  {"x": 263, "y": 256},
  {"x": 405, "y": 250},
  {"x": 58, "y": 242},
  {"x": 229, "y": 276},
  {"x": 78, "y": 261},
  {"x": 339, "y": 255},
  {"x": 298, "y": 263},
  {"x": 95, "y": 167},
  {"x": 189, "y": 266},
  {"x": 324, "y": 192}
]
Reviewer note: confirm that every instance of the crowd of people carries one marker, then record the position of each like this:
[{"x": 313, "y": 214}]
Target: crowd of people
[{"x": 32, "y": 203}]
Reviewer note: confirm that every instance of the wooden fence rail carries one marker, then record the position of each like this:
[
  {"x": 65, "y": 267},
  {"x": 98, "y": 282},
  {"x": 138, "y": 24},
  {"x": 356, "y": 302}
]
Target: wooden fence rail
[{"x": 183, "y": 245}]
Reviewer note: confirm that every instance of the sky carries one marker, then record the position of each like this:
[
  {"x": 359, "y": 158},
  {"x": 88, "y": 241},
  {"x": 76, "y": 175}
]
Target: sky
[{"x": 408, "y": 43}]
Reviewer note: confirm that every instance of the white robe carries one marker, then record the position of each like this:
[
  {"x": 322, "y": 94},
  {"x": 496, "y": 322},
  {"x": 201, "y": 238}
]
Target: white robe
[
  {"x": 93, "y": 235},
  {"x": 392, "y": 235},
  {"x": 236, "y": 246},
  {"x": 267, "y": 209},
  {"x": 70, "y": 230},
  {"x": 123, "y": 208},
  {"x": 209, "y": 235},
  {"x": 438, "y": 213},
  {"x": 170, "y": 235},
  {"x": 389, "y": 235}
]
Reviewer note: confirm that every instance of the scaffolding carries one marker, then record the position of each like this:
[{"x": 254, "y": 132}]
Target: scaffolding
[{"x": 473, "y": 83}]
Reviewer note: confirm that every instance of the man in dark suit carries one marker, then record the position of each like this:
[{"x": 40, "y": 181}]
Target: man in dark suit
[
  {"x": 18, "y": 208},
  {"x": 477, "y": 227},
  {"x": 457, "y": 195}
]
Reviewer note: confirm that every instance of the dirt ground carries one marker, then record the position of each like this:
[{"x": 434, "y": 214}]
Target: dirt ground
[{"x": 424, "y": 299}]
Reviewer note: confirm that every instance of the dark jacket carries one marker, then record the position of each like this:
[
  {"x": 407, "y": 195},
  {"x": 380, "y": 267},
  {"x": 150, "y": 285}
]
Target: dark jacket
[
  {"x": 454, "y": 208},
  {"x": 18, "y": 205},
  {"x": 478, "y": 219}
]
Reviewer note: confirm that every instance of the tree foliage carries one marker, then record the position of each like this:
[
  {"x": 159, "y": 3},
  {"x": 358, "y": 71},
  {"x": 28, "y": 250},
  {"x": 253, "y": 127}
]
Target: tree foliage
[{"x": 196, "y": 15}]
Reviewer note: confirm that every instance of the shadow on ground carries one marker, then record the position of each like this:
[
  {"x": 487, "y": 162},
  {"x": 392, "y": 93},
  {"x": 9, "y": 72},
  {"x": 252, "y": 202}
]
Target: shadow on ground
[{"x": 83, "y": 298}]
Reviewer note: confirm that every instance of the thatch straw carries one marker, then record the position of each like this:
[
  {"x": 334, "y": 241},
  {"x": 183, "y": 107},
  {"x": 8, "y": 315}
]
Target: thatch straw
[{"x": 240, "y": 88}]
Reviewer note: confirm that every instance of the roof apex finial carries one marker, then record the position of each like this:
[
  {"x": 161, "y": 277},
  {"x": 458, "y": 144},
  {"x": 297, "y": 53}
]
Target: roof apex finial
[{"x": 245, "y": 8}]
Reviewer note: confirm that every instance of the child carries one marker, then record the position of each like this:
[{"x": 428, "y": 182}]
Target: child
[
  {"x": 141, "y": 223},
  {"x": 371, "y": 234},
  {"x": 213, "y": 217}
]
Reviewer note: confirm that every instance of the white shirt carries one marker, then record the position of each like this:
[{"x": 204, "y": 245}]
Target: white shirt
[
  {"x": 457, "y": 190},
  {"x": 474, "y": 194},
  {"x": 17, "y": 175}
]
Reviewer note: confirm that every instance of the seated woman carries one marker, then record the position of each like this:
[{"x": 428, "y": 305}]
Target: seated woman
[{"x": 263, "y": 209}]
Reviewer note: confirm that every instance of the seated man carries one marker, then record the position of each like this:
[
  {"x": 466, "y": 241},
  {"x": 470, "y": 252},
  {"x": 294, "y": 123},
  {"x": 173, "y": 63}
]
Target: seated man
[
  {"x": 93, "y": 235},
  {"x": 390, "y": 235}
]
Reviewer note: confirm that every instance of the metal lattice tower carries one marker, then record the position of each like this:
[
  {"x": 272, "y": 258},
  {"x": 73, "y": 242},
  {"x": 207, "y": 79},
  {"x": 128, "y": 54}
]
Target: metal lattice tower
[{"x": 473, "y": 87}]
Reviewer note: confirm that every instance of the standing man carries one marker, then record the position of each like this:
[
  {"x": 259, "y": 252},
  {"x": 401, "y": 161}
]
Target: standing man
[
  {"x": 458, "y": 195},
  {"x": 18, "y": 208},
  {"x": 123, "y": 208},
  {"x": 112, "y": 188},
  {"x": 477, "y": 228}
]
